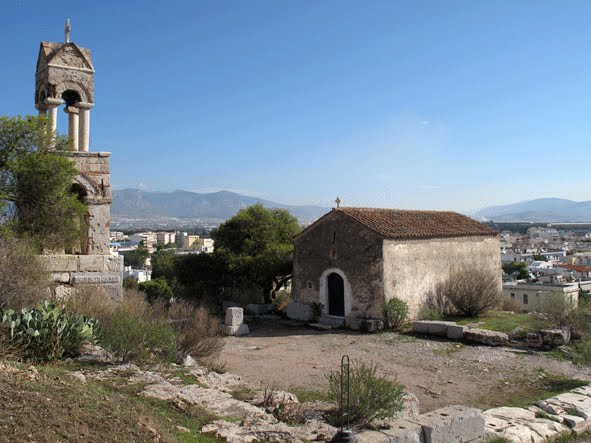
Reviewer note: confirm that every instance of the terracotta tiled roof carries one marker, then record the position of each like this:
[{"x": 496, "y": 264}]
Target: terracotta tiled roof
[
  {"x": 407, "y": 224},
  {"x": 578, "y": 268}
]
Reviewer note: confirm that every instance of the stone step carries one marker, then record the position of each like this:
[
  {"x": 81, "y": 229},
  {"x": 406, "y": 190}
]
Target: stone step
[{"x": 332, "y": 321}]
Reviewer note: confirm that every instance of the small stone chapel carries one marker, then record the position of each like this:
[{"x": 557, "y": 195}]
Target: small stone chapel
[
  {"x": 352, "y": 261},
  {"x": 65, "y": 76}
]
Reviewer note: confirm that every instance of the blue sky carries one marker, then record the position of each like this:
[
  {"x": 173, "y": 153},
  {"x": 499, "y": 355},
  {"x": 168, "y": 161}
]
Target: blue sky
[{"x": 407, "y": 104}]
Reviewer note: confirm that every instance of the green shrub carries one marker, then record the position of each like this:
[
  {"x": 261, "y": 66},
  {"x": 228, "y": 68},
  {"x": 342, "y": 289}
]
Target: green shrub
[
  {"x": 48, "y": 332},
  {"x": 138, "y": 339},
  {"x": 396, "y": 313},
  {"x": 136, "y": 331},
  {"x": 372, "y": 397},
  {"x": 430, "y": 312},
  {"x": 157, "y": 289}
]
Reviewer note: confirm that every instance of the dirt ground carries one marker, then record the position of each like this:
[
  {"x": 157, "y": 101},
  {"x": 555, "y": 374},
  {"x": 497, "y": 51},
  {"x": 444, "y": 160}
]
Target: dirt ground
[{"x": 283, "y": 355}]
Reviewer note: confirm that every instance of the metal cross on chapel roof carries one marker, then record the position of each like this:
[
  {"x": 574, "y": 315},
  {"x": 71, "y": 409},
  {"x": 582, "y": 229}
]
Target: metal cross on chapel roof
[
  {"x": 68, "y": 30},
  {"x": 338, "y": 202}
]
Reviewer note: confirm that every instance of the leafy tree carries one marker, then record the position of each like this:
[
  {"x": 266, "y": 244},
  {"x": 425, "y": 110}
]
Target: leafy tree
[
  {"x": 540, "y": 257},
  {"x": 163, "y": 264},
  {"x": 517, "y": 267},
  {"x": 257, "y": 247},
  {"x": 136, "y": 258},
  {"x": 36, "y": 184},
  {"x": 156, "y": 289}
]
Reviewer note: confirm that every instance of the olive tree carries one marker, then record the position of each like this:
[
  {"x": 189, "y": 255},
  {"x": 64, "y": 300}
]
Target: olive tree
[{"x": 36, "y": 198}]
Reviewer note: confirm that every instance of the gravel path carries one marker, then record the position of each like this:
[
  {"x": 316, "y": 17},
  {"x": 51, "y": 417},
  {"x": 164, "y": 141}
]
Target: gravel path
[{"x": 438, "y": 372}]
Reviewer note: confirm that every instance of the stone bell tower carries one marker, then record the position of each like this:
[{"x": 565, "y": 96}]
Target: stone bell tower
[{"x": 65, "y": 76}]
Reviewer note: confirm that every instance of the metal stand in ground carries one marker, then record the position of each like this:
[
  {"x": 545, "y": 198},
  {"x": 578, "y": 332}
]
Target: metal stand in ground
[{"x": 345, "y": 435}]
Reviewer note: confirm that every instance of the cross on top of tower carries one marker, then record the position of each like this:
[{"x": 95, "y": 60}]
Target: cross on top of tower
[
  {"x": 338, "y": 202},
  {"x": 68, "y": 30}
]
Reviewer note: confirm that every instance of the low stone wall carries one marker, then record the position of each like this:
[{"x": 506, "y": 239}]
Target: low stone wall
[
  {"x": 71, "y": 272},
  {"x": 453, "y": 331}
]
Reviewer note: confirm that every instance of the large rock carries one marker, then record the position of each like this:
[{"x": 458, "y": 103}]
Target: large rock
[
  {"x": 431, "y": 327},
  {"x": 259, "y": 430},
  {"x": 521, "y": 425},
  {"x": 555, "y": 337},
  {"x": 221, "y": 403},
  {"x": 216, "y": 402},
  {"x": 300, "y": 311},
  {"x": 485, "y": 337},
  {"x": 452, "y": 424}
]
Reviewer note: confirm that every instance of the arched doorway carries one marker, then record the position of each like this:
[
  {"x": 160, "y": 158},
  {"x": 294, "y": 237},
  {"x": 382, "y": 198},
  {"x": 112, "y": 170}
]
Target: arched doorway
[{"x": 336, "y": 294}]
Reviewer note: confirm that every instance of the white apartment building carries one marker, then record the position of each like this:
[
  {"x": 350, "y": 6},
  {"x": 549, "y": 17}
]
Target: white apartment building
[{"x": 165, "y": 238}]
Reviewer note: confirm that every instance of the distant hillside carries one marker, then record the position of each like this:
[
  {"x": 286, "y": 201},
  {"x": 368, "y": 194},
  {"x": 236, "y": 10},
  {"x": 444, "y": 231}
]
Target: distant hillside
[
  {"x": 539, "y": 210},
  {"x": 137, "y": 204}
]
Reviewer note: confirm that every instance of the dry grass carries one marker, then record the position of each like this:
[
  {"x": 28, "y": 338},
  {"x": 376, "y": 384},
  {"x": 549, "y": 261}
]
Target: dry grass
[
  {"x": 92, "y": 301},
  {"x": 23, "y": 279},
  {"x": 199, "y": 334},
  {"x": 9, "y": 350}
]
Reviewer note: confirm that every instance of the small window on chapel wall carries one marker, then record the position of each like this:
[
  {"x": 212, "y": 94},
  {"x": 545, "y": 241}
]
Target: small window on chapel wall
[
  {"x": 334, "y": 237},
  {"x": 309, "y": 285}
]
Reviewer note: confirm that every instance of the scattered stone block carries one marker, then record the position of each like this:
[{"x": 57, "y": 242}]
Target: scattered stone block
[
  {"x": 258, "y": 309},
  {"x": 452, "y": 424},
  {"x": 485, "y": 337},
  {"x": 234, "y": 317},
  {"x": 300, "y": 311},
  {"x": 237, "y": 330},
  {"x": 555, "y": 337},
  {"x": 456, "y": 332},
  {"x": 432, "y": 327}
]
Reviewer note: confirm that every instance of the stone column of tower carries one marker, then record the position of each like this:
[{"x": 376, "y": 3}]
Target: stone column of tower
[
  {"x": 73, "y": 125},
  {"x": 84, "y": 126}
]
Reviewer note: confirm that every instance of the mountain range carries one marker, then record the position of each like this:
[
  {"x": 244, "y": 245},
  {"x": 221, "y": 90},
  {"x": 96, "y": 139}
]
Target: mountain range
[
  {"x": 539, "y": 210},
  {"x": 216, "y": 207}
]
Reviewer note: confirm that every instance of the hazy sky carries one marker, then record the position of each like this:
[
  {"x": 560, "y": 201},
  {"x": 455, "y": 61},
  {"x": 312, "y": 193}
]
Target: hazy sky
[{"x": 408, "y": 104}]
